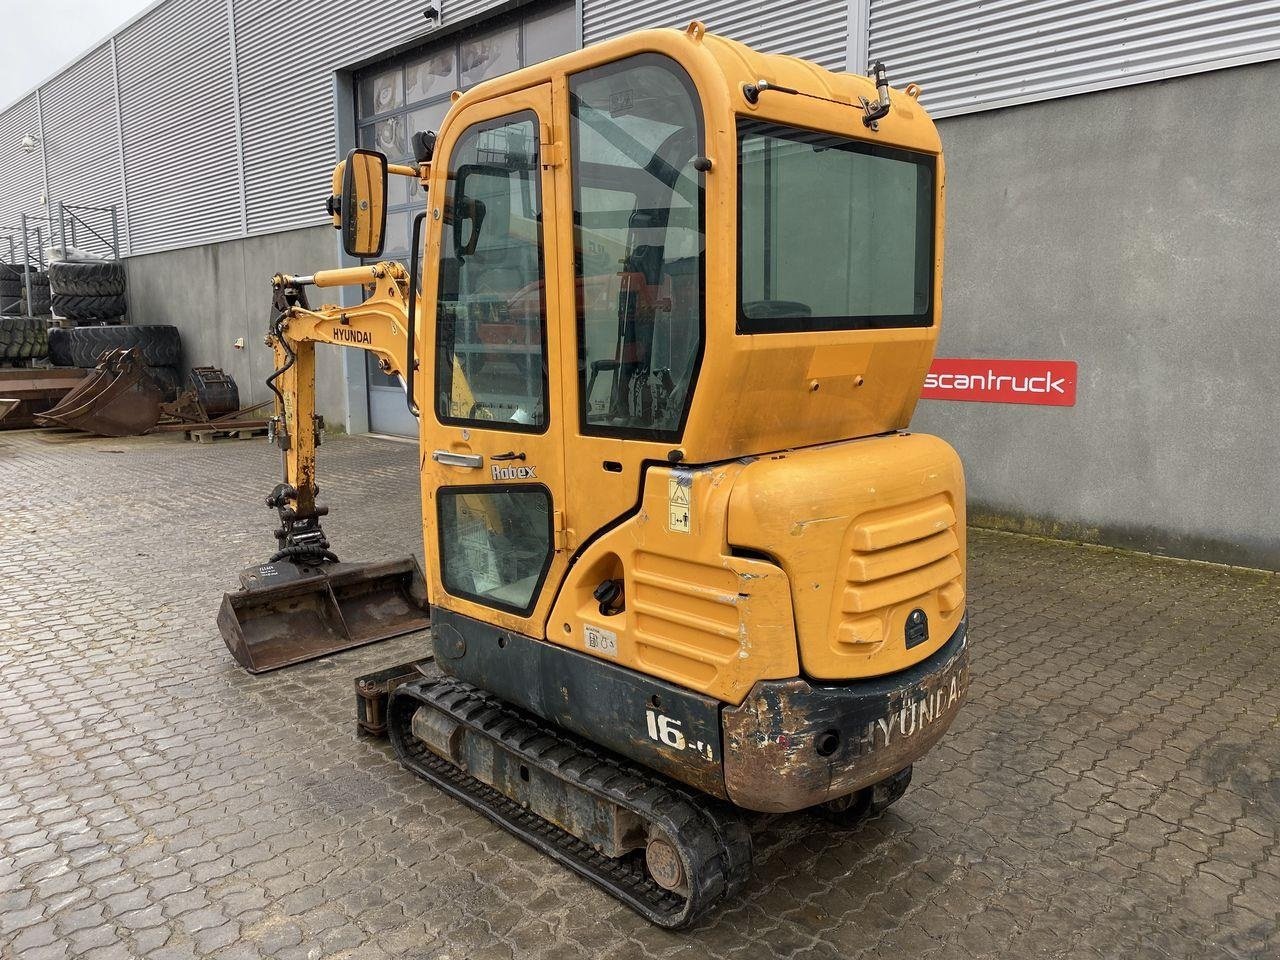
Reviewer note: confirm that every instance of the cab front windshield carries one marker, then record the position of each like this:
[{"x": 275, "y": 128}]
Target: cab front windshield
[{"x": 835, "y": 234}]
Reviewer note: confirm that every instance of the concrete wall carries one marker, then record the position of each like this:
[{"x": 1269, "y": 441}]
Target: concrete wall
[
  {"x": 1137, "y": 232},
  {"x": 218, "y": 292}
]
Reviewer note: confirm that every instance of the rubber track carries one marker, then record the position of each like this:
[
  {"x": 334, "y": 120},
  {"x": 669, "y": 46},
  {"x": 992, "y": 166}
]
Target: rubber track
[{"x": 712, "y": 839}]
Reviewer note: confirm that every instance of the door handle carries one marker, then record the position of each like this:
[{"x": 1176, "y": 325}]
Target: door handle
[{"x": 450, "y": 459}]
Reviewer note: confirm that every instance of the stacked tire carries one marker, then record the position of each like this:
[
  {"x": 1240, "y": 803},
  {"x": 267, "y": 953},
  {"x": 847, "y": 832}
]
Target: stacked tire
[
  {"x": 22, "y": 339},
  {"x": 13, "y": 292},
  {"x": 40, "y": 299},
  {"x": 60, "y": 347},
  {"x": 87, "y": 291},
  {"x": 159, "y": 344},
  {"x": 10, "y": 287}
]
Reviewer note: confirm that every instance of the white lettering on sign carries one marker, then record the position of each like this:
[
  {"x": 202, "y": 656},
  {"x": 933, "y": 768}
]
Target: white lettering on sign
[
  {"x": 679, "y": 501},
  {"x": 600, "y": 640},
  {"x": 991, "y": 380},
  {"x": 1042, "y": 382}
]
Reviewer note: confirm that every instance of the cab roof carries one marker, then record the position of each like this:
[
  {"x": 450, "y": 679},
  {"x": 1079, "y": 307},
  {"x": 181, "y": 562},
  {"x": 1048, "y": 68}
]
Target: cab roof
[{"x": 721, "y": 68}]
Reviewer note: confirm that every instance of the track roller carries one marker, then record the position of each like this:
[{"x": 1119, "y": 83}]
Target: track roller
[{"x": 668, "y": 853}]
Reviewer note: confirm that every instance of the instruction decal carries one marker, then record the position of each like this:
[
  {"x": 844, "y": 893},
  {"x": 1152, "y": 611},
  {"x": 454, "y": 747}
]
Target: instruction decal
[
  {"x": 600, "y": 640},
  {"x": 679, "y": 501}
]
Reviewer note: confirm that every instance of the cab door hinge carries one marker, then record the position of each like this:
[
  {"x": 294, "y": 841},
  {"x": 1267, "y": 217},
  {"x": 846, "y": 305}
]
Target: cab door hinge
[
  {"x": 561, "y": 532},
  {"x": 550, "y": 150}
]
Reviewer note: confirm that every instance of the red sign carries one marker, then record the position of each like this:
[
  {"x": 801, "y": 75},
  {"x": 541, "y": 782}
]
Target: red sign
[{"x": 1046, "y": 382}]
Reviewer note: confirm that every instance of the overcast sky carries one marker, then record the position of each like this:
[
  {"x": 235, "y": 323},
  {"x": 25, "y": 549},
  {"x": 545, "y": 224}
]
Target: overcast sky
[{"x": 41, "y": 37}]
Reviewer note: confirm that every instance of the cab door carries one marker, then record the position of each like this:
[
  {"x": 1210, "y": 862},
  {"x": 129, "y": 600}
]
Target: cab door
[{"x": 492, "y": 456}]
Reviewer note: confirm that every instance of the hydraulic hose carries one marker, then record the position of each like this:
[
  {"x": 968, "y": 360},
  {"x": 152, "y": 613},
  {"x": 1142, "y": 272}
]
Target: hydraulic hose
[{"x": 277, "y": 328}]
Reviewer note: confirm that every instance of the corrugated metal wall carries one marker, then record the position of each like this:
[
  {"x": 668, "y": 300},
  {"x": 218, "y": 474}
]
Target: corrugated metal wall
[
  {"x": 82, "y": 141},
  {"x": 814, "y": 29},
  {"x": 455, "y": 11},
  {"x": 182, "y": 159},
  {"x": 286, "y": 99},
  {"x": 977, "y": 54},
  {"x": 224, "y": 118},
  {"x": 21, "y": 173}
]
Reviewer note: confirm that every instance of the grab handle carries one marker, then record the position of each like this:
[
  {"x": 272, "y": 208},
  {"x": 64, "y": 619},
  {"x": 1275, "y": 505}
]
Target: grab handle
[{"x": 473, "y": 461}]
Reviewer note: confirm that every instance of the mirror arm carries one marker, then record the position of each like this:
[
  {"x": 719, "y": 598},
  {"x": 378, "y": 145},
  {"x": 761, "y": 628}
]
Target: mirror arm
[
  {"x": 877, "y": 110},
  {"x": 411, "y": 361}
]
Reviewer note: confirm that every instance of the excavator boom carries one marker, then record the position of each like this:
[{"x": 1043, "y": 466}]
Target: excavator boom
[{"x": 303, "y": 603}]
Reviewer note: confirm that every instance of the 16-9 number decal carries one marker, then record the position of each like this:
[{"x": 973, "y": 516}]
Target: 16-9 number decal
[{"x": 666, "y": 731}]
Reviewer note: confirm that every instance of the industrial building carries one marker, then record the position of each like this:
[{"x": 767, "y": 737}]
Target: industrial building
[{"x": 1110, "y": 205}]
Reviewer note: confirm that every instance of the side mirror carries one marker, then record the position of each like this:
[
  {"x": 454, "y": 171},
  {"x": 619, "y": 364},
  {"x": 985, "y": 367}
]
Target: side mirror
[{"x": 363, "y": 208}]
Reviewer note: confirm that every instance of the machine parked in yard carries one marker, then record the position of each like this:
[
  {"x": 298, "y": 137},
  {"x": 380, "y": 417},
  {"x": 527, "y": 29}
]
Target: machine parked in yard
[{"x": 683, "y": 555}]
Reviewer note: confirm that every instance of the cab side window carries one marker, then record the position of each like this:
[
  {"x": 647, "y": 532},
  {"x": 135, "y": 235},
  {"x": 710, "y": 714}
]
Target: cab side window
[
  {"x": 639, "y": 244},
  {"x": 491, "y": 329}
]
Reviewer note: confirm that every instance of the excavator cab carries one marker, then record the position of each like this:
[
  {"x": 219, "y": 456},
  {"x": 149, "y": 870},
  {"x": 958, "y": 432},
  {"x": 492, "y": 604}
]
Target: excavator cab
[{"x": 683, "y": 555}]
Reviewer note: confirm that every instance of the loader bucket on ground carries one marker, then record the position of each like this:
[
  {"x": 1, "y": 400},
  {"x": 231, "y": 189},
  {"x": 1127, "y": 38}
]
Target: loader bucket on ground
[
  {"x": 287, "y": 613},
  {"x": 119, "y": 399}
]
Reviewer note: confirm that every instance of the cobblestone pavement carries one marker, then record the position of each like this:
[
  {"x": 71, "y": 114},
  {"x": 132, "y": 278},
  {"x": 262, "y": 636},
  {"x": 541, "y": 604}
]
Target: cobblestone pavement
[{"x": 1112, "y": 789}]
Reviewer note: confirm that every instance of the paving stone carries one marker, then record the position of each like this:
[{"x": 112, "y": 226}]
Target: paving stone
[{"x": 1109, "y": 790}]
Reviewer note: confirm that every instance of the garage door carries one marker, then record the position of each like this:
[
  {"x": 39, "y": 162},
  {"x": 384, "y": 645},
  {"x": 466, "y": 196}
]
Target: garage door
[{"x": 399, "y": 97}]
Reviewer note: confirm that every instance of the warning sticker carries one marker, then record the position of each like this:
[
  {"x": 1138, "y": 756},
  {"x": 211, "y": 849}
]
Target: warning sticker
[{"x": 679, "y": 502}]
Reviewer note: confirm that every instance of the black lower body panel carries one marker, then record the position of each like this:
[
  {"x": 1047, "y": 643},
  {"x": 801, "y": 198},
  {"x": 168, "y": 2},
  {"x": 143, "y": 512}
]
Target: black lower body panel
[
  {"x": 617, "y": 708},
  {"x": 790, "y": 744}
]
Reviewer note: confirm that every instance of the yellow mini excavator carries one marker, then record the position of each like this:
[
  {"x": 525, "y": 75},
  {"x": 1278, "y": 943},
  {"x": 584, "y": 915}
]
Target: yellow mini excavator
[{"x": 683, "y": 557}]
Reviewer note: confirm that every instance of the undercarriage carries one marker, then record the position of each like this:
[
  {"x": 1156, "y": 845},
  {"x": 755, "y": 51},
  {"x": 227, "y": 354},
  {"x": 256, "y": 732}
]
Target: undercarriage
[
  {"x": 651, "y": 843},
  {"x": 670, "y": 850}
]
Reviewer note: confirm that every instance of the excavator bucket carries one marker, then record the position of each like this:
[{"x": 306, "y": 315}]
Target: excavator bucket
[
  {"x": 119, "y": 399},
  {"x": 287, "y": 613}
]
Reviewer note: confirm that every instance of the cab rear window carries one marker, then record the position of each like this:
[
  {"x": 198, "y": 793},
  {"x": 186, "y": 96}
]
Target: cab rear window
[{"x": 834, "y": 234}]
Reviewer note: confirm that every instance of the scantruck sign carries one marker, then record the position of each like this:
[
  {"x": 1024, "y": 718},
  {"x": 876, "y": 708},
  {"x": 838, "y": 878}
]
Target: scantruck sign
[{"x": 1047, "y": 382}]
